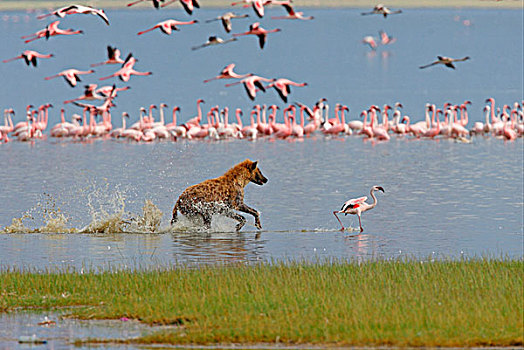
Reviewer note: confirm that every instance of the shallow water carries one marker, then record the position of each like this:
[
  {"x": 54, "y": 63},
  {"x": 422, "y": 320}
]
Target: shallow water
[
  {"x": 442, "y": 198},
  {"x": 60, "y": 331}
]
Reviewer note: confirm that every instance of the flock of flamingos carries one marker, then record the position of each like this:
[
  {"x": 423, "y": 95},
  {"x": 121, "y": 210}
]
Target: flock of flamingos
[{"x": 294, "y": 121}]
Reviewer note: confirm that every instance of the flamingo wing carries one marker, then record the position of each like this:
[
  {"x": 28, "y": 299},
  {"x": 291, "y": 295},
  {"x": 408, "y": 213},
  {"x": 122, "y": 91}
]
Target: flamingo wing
[
  {"x": 353, "y": 203},
  {"x": 262, "y": 40}
]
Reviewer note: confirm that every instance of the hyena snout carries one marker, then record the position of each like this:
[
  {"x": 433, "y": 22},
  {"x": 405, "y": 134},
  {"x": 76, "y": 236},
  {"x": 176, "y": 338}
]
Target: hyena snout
[{"x": 258, "y": 178}]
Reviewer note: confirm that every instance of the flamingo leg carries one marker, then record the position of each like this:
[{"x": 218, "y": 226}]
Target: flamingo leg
[
  {"x": 335, "y": 213},
  {"x": 360, "y": 223}
]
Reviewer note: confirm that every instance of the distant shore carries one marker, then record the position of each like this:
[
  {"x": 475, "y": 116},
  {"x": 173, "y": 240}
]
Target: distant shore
[{"x": 11, "y": 5}]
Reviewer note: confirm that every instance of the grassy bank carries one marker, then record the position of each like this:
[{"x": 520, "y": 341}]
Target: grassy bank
[
  {"x": 41, "y": 4},
  {"x": 400, "y": 303}
]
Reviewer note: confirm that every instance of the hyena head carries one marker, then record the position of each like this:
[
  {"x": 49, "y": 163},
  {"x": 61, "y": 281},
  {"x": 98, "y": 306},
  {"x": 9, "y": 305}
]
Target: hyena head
[{"x": 255, "y": 175}]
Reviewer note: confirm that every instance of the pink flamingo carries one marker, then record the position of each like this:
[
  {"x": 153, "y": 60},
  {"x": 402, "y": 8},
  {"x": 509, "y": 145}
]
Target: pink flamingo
[
  {"x": 167, "y": 26},
  {"x": 70, "y": 75},
  {"x": 188, "y": 5},
  {"x": 251, "y": 84},
  {"x": 381, "y": 10},
  {"x": 49, "y": 31},
  {"x": 90, "y": 94},
  {"x": 385, "y": 39},
  {"x": 77, "y": 9},
  {"x": 341, "y": 126},
  {"x": 251, "y": 131},
  {"x": 370, "y": 41},
  {"x": 116, "y": 133},
  {"x": 226, "y": 20},
  {"x": 357, "y": 206},
  {"x": 261, "y": 33},
  {"x": 29, "y": 57},
  {"x": 156, "y": 3},
  {"x": 366, "y": 130},
  {"x": 8, "y": 124},
  {"x": 23, "y": 124},
  {"x": 113, "y": 57},
  {"x": 227, "y": 73},
  {"x": 286, "y": 130},
  {"x": 282, "y": 86},
  {"x": 291, "y": 13},
  {"x": 434, "y": 131},
  {"x": 258, "y": 6},
  {"x": 127, "y": 70},
  {"x": 481, "y": 128}
]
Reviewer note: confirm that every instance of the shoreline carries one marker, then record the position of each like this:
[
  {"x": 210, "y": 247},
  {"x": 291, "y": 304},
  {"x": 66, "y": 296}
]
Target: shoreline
[{"x": 120, "y": 4}]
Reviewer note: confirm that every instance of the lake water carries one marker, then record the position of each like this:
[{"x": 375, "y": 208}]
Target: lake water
[{"x": 442, "y": 198}]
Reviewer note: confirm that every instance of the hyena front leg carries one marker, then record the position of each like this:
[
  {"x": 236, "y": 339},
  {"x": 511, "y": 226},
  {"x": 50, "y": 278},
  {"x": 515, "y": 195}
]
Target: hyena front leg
[{"x": 244, "y": 208}]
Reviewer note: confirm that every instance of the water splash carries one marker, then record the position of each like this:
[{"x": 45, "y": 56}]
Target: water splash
[{"x": 105, "y": 208}]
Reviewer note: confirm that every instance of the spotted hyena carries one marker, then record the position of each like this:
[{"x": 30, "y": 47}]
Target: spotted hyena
[{"x": 222, "y": 195}]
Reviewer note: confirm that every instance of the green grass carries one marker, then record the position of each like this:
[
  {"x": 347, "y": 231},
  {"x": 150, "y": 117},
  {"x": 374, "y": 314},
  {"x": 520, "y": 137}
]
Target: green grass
[{"x": 401, "y": 303}]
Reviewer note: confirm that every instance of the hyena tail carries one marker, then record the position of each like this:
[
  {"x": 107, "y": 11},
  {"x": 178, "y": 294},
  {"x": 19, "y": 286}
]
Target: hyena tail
[{"x": 174, "y": 218}]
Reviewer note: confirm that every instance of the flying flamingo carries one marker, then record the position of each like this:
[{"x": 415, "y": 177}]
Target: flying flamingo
[
  {"x": 127, "y": 70},
  {"x": 77, "y": 9},
  {"x": 156, "y": 3},
  {"x": 113, "y": 57},
  {"x": 251, "y": 84},
  {"x": 258, "y": 6},
  {"x": 92, "y": 93},
  {"x": 226, "y": 20},
  {"x": 213, "y": 40},
  {"x": 29, "y": 57},
  {"x": 447, "y": 61},
  {"x": 282, "y": 86},
  {"x": 385, "y": 39},
  {"x": 358, "y": 206},
  {"x": 291, "y": 14},
  {"x": 70, "y": 75},
  {"x": 370, "y": 41},
  {"x": 261, "y": 33},
  {"x": 188, "y": 5},
  {"x": 49, "y": 31},
  {"x": 167, "y": 26},
  {"x": 227, "y": 73},
  {"x": 381, "y": 10}
]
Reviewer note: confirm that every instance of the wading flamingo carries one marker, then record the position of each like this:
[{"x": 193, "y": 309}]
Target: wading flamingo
[{"x": 358, "y": 206}]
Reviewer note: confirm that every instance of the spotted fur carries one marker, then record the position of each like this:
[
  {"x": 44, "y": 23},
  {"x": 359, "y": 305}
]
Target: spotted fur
[{"x": 222, "y": 195}]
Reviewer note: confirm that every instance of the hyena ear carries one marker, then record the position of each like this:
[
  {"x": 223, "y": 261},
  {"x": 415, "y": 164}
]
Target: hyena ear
[{"x": 253, "y": 165}]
